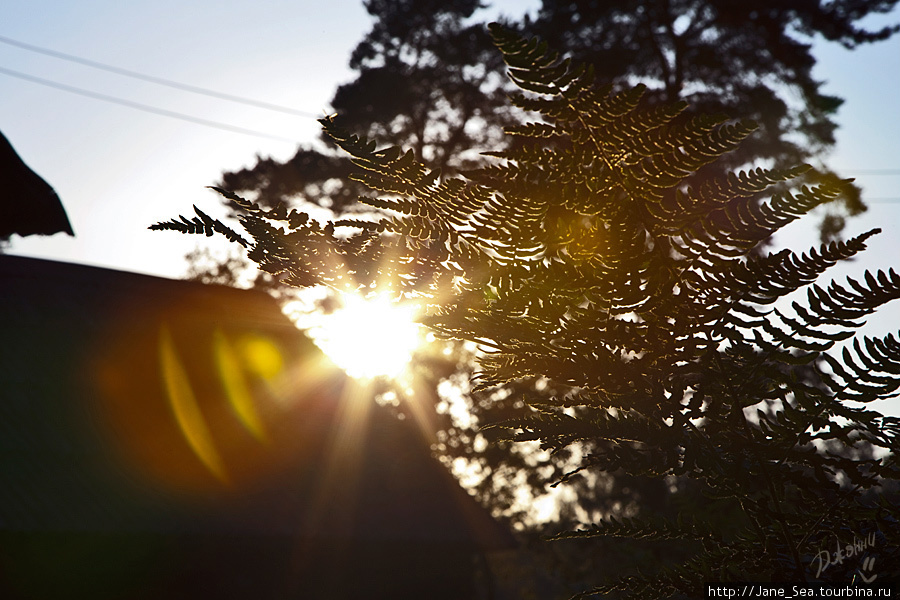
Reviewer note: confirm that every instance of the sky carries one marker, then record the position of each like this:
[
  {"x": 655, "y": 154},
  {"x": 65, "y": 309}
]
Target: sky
[{"x": 118, "y": 169}]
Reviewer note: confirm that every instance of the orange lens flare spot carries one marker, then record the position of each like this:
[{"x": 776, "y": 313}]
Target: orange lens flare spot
[{"x": 184, "y": 406}]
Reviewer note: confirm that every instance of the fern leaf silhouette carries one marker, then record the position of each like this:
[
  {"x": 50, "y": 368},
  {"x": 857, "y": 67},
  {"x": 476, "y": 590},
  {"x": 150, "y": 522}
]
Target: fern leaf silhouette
[{"x": 589, "y": 256}]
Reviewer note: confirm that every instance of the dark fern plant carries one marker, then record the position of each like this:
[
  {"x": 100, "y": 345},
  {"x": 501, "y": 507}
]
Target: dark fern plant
[{"x": 580, "y": 255}]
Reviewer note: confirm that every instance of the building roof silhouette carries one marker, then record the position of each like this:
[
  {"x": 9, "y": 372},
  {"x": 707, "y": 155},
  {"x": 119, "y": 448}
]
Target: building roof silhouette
[{"x": 28, "y": 205}]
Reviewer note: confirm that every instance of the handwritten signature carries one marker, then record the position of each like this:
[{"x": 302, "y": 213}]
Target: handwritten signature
[{"x": 825, "y": 559}]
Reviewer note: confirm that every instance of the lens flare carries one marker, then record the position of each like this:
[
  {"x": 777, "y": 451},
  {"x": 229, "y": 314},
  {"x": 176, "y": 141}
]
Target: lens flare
[
  {"x": 262, "y": 356},
  {"x": 185, "y": 408},
  {"x": 237, "y": 389},
  {"x": 370, "y": 337}
]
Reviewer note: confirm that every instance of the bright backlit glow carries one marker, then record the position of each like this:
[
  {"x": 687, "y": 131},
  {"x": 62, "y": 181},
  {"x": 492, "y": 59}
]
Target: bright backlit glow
[{"x": 370, "y": 337}]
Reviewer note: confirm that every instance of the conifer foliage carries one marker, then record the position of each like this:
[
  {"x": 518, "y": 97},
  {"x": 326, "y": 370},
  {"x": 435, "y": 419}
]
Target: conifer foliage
[{"x": 582, "y": 255}]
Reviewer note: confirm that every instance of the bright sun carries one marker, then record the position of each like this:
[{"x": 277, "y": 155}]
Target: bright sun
[{"x": 370, "y": 337}]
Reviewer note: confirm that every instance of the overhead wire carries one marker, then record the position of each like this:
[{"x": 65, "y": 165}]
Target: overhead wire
[
  {"x": 874, "y": 172},
  {"x": 144, "y": 107},
  {"x": 157, "y": 80},
  {"x": 214, "y": 94},
  {"x": 871, "y": 171}
]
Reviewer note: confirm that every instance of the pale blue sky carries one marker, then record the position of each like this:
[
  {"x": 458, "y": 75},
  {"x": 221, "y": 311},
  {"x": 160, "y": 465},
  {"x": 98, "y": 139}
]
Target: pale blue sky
[{"x": 118, "y": 170}]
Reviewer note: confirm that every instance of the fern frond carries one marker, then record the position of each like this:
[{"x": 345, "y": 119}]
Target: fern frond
[
  {"x": 535, "y": 68},
  {"x": 587, "y": 254},
  {"x": 766, "y": 279},
  {"x": 737, "y": 228},
  {"x": 647, "y": 528},
  {"x": 858, "y": 372},
  {"x": 201, "y": 224},
  {"x": 675, "y": 210}
]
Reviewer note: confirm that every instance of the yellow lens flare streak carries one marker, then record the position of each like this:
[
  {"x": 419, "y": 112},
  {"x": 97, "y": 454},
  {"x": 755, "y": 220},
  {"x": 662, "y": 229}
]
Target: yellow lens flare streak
[
  {"x": 235, "y": 384},
  {"x": 184, "y": 405},
  {"x": 370, "y": 337}
]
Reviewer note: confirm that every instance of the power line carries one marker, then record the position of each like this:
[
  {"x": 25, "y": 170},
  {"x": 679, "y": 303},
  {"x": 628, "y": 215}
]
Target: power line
[
  {"x": 157, "y": 80},
  {"x": 143, "y": 107},
  {"x": 871, "y": 171}
]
